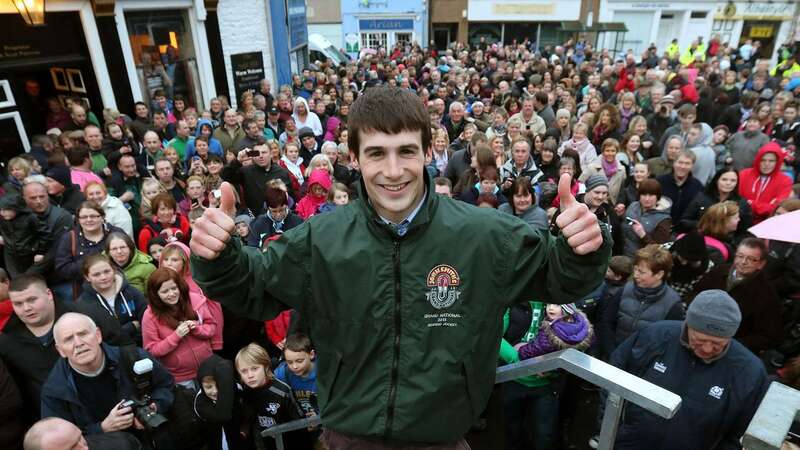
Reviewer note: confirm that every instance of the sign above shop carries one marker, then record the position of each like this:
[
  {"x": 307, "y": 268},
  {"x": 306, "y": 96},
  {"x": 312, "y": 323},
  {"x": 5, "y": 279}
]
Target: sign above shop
[
  {"x": 248, "y": 71},
  {"x": 298, "y": 27},
  {"x": 755, "y": 11},
  {"x": 385, "y": 24},
  {"x": 523, "y": 10}
]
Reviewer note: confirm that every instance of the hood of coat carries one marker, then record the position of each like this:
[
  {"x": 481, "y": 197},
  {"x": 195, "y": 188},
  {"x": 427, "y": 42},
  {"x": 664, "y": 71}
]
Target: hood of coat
[
  {"x": 296, "y": 102},
  {"x": 568, "y": 332},
  {"x": 321, "y": 178},
  {"x": 203, "y": 123},
  {"x": 14, "y": 202},
  {"x": 770, "y": 147}
]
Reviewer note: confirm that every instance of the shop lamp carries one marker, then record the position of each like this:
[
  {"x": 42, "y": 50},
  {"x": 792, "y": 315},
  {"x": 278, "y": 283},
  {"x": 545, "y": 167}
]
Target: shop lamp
[{"x": 32, "y": 11}]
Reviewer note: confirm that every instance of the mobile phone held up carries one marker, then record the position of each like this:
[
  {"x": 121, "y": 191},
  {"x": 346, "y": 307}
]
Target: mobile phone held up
[{"x": 253, "y": 153}]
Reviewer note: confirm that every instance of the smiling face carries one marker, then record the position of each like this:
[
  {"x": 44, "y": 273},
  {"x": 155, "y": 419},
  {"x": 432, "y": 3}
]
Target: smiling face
[
  {"x": 95, "y": 193},
  {"x": 392, "y": 167}
]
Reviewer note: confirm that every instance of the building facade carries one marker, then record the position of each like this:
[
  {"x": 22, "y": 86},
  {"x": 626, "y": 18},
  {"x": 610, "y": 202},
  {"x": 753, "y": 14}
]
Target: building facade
[
  {"x": 660, "y": 22},
  {"x": 112, "y": 53},
  {"x": 325, "y": 19},
  {"x": 373, "y": 24},
  {"x": 506, "y": 20},
  {"x": 448, "y": 22}
]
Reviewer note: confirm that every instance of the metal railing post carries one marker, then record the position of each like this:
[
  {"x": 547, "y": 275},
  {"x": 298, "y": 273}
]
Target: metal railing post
[
  {"x": 773, "y": 418},
  {"x": 611, "y": 416}
]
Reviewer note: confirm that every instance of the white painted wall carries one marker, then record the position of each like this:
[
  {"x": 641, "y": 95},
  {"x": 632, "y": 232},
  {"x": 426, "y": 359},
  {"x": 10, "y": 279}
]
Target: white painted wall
[{"x": 244, "y": 28}]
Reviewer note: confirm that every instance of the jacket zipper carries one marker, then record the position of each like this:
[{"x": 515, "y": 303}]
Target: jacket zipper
[{"x": 396, "y": 346}]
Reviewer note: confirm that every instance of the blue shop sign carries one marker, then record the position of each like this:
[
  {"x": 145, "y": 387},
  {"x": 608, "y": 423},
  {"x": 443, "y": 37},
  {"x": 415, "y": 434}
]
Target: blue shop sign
[
  {"x": 298, "y": 29},
  {"x": 385, "y": 24}
]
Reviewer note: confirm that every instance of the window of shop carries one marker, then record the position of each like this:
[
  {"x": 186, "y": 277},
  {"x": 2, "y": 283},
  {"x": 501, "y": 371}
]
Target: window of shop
[
  {"x": 374, "y": 40},
  {"x": 402, "y": 38},
  {"x": 164, "y": 53}
]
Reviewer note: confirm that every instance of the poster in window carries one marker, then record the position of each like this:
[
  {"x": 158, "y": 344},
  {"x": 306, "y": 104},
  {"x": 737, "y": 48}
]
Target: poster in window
[
  {"x": 248, "y": 71},
  {"x": 6, "y": 96},
  {"x": 75, "y": 78},
  {"x": 59, "y": 77}
]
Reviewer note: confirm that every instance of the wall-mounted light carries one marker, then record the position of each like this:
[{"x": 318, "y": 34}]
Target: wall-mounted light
[
  {"x": 464, "y": 13},
  {"x": 32, "y": 11}
]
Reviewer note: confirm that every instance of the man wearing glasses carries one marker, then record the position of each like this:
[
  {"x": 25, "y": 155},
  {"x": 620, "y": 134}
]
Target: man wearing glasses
[{"x": 746, "y": 282}]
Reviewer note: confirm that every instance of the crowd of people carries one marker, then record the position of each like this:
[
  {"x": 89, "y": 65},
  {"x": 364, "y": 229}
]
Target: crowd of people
[{"x": 677, "y": 154}]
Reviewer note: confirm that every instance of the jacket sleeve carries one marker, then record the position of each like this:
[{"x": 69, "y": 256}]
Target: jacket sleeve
[
  {"x": 534, "y": 348},
  {"x": 542, "y": 266},
  {"x": 232, "y": 172},
  {"x": 209, "y": 327},
  {"x": 659, "y": 235},
  {"x": 508, "y": 354},
  {"x": 254, "y": 284},
  {"x": 746, "y": 410}
]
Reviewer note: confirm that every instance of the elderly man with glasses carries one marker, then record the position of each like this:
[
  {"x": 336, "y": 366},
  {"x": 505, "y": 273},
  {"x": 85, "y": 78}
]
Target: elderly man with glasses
[{"x": 746, "y": 281}]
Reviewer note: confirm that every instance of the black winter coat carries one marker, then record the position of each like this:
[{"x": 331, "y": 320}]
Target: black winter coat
[
  {"x": 129, "y": 306},
  {"x": 70, "y": 199},
  {"x": 253, "y": 181}
]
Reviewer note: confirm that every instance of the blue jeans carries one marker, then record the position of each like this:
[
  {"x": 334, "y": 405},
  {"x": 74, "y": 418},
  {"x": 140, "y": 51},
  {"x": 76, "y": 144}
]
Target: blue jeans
[{"x": 530, "y": 411}]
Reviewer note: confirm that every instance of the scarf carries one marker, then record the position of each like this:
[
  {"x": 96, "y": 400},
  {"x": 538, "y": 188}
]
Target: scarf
[
  {"x": 610, "y": 168},
  {"x": 294, "y": 168}
]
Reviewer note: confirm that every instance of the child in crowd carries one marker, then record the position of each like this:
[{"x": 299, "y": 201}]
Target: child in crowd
[
  {"x": 267, "y": 400},
  {"x": 150, "y": 188},
  {"x": 293, "y": 162},
  {"x": 564, "y": 327},
  {"x": 299, "y": 371},
  {"x": 24, "y": 238},
  {"x": 154, "y": 248},
  {"x": 319, "y": 184},
  {"x": 218, "y": 402},
  {"x": 337, "y": 196},
  {"x": 242, "y": 222}
]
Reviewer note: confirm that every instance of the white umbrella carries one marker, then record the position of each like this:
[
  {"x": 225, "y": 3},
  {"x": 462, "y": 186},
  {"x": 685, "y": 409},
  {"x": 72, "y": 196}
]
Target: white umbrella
[{"x": 785, "y": 227}]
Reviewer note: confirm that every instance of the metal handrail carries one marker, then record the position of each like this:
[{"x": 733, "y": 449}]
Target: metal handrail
[
  {"x": 620, "y": 385},
  {"x": 773, "y": 418}
]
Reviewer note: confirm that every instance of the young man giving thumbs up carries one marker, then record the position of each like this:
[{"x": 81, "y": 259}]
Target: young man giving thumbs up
[{"x": 407, "y": 341}]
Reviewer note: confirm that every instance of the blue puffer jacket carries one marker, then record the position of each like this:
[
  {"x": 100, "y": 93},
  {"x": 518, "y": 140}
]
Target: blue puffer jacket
[
  {"x": 718, "y": 398},
  {"x": 60, "y": 396}
]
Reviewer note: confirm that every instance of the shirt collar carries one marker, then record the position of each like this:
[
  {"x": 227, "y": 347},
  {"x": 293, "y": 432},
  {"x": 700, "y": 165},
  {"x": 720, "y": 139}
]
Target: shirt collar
[{"x": 403, "y": 225}]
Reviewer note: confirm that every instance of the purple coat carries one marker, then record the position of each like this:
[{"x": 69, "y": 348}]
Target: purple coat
[{"x": 559, "y": 335}]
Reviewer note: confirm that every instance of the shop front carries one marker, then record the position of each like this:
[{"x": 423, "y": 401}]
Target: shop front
[
  {"x": 508, "y": 20},
  {"x": 766, "y": 22},
  {"x": 44, "y": 67}
]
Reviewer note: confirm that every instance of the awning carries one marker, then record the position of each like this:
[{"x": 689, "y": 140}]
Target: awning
[{"x": 574, "y": 26}]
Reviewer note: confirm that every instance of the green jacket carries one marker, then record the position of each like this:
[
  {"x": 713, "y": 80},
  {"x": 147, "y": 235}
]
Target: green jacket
[
  {"x": 407, "y": 340},
  {"x": 138, "y": 271}
]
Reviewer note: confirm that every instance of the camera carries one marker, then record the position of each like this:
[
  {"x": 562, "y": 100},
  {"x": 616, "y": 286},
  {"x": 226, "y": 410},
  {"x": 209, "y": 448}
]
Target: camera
[
  {"x": 663, "y": 110},
  {"x": 140, "y": 404},
  {"x": 253, "y": 153}
]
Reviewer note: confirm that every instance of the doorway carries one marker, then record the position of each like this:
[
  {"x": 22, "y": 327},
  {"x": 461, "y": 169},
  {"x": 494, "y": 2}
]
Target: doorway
[
  {"x": 444, "y": 34},
  {"x": 763, "y": 31}
]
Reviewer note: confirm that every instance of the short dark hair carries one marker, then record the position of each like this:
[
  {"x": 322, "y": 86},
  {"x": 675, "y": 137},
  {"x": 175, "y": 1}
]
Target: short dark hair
[
  {"x": 443, "y": 181},
  {"x": 298, "y": 343},
  {"x": 276, "y": 197},
  {"x": 657, "y": 259},
  {"x": 650, "y": 187},
  {"x": 25, "y": 281},
  {"x": 756, "y": 243},
  {"x": 76, "y": 156},
  {"x": 686, "y": 109},
  {"x": 371, "y": 113}
]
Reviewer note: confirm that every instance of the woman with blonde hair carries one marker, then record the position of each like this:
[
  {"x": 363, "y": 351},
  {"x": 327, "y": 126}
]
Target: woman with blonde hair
[{"x": 718, "y": 226}]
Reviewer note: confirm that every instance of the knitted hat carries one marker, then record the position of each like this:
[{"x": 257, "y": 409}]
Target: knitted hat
[
  {"x": 668, "y": 99},
  {"x": 715, "y": 313},
  {"x": 305, "y": 131},
  {"x": 595, "y": 181},
  {"x": 60, "y": 174},
  {"x": 243, "y": 218},
  {"x": 621, "y": 265},
  {"x": 569, "y": 309},
  {"x": 690, "y": 247}
]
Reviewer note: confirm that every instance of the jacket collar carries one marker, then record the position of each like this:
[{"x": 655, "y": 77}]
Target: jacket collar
[{"x": 66, "y": 389}]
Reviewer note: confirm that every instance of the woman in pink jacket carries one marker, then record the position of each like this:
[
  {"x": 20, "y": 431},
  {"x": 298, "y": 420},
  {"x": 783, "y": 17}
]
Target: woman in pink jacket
[
  {"x": 174, "y": 329},
  {"x": 175, "y": 256}
]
